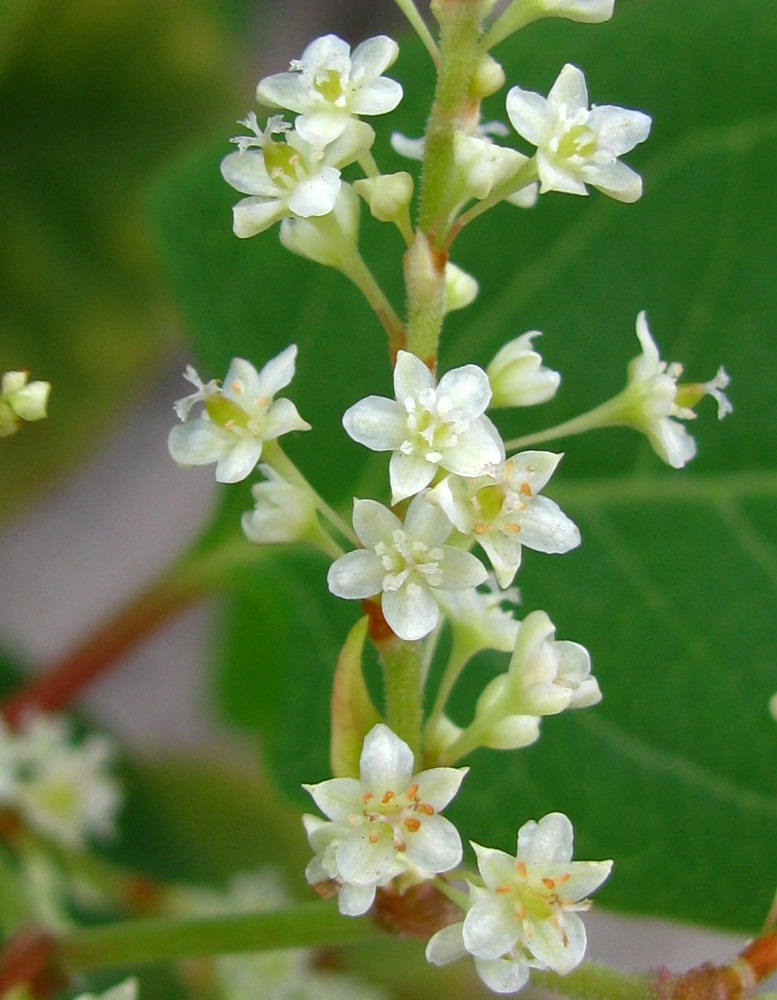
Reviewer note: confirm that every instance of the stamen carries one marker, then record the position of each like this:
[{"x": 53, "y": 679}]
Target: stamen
[
  {"x": 411, "y": 824},
  {"x": 412, "y": 791}
]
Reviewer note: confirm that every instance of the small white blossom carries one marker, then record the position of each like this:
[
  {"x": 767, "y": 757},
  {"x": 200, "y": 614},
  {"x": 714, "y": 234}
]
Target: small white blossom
[
  {"x": 652, "y": 400},
  {"x": 405, "y": 562},
  {"x": 282, "y": 513},
  {"x": 329, "y": 85},
  {"x": 291, "y": 178},
  {"x": 518, "y": 376},
  {"x": 330, "y": 240},
  {"x": 383, "y": 824},
  {"x": 21, "y": 400},
  {"x": 388, "y": 195},
  {"x": 428, "y": 426},
  {"x": 525, "y": 915},
  {"x": 478, "y": 618},
  {"x": 62, "y": 789},
  {"x": 576, "y": 145},
  {"x": 504, "y": 511},
  {"x": 546, "y": 676},
  {"x": 238, "y": 418}
]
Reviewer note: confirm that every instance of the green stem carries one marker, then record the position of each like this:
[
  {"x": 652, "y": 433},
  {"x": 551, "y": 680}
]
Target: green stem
[
  {"x": 458, "y": 660},
  {"x": 363, "y": 278},
  {"x": 514, "y": 17},
  {"x": 410, "y": 11},
  {"x": 133, "y": 942},
  {"x": 403, "y": 676},
  {"x": 609, "y": 414},
  {"x": 591, "y": 981}
]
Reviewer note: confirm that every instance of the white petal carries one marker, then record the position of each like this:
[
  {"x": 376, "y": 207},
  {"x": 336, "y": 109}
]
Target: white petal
[
  {"x": 438, "y": 785},
  {"x": 240, "y": 462},
  {"x": 503, "y": 975},
  {"x": 427, "y": 522},
  {"x": 546, "y": 842},
  {"x": 378, "y": 98},
  {"x": 557, "y": 175},
  {"x": 490, "y": 929},
  {"x": 569, "y": 93},
  {"x": 546, "y": 528},
  {"x": 247, "y": 173},
  {"x": 615, "y": 180},
  {"x": 316, "y": 196},
  {"x": 199, "y": 442},
  {"x": 362, "y": 862},
  {"x": 374, "y": 523},
  {"x": 373, "y": 56},
  {"x": 354, "y": 900},
  {"x": 467, "y": 391},
  {"x": 436, "y": 845},
  {"x": 559, "y": 944},
  {"x": 283, "y": 90},
  {"x": 378, "y": 423},
  {"x": 479, "y": 447},
  {"x": 409, "y": 474},
  {"x": 584, "y": 878},
  {"x": 241, "y": 383},
  {"x": 337, "y": 798},
  {"x": 410, "y": 611},
  {"x": 446, "y": 945},
  {"x": 386, "y": 761},
  {"x": 278, "y": 372},
  {"x": 619, "y": 129},
  {"x": 356, "y": 575},
  {"x": 411, "y": 376},
  {"x": 282, "y": 417},
  {"x": 254, "y": 215},
  {"x": 461, "y": 570},
  {"x": 530, "y": 115}
]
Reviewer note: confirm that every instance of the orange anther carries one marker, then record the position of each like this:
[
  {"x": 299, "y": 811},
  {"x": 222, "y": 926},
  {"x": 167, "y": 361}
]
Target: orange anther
[
  {"x": 525, "y": 489},
  {"x": 520, "y": 867},
  {"x": 412, "y": 825},
  {"x": 549, "y": 883},
  {"x": 480, "y": 529},
  {"x": 426, "y": 809},
  {"x": 366, "y": 797},
  {"x": 502, "y": 890},
  {"x": 374, "y": 837},
  {"x": 388, "y": 797},
  {"x": 511, "y": 529},
  {"x": 412, "y": 791}
]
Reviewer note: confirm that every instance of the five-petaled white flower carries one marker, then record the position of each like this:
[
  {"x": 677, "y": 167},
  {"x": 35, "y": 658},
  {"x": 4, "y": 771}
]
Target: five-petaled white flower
[
  {"x": 504, "y": 511},
  {"x": 329, "y": 85},
  {"x": 238, "y": 418},
  {"x": 525, "y": 916},
  {"x": 21, "y": 400},
  {"x": 652, "y": 399},
  {"x": 406, "y": 562},
  {"x": 577, "y": 145},
  {"x": 428, "y": 426},
  {"x": 383, "y": 824},
  {"x": 62, "y": 788},
  {"x": 291, "y": 178}
]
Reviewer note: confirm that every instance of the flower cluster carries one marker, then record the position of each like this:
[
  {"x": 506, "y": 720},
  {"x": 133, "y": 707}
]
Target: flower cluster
[{"x": 60, "y": 788}]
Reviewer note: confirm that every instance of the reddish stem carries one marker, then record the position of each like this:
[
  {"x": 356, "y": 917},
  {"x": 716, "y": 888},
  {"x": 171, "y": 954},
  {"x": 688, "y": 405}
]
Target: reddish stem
[{"x": 64, "y": 680}]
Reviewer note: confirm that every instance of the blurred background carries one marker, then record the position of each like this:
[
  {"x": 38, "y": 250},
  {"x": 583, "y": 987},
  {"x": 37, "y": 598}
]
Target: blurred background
[{"x": 98, "y": 96}]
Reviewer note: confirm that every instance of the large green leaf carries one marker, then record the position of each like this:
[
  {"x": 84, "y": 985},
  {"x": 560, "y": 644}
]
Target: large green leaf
[{"x": 673, "y": 775}]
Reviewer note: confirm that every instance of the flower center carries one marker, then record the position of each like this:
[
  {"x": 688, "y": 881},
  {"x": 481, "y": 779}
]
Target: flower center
[
  {"x": 432, "y": 427},
  {"x": 395, "y": 814},
  {"x": 285, "y": 165},
  {"x": 579, "y": 141},
  {"x": 406, "y": 556},
  {"x": 329, "y": 83}
]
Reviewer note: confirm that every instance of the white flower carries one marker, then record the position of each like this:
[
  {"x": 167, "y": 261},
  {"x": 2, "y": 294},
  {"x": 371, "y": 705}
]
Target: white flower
[
  {"x": 21, "y": 400},
  {"x": 504, "y": 511},
  {"x": 478, "y": 619},
  {"x": 291, "y": 178},
  {"x": 406, "y": 562},
  {"x": 238, "y": 418},
  {"x": 545, "y": 677},
  {"x": 428, "y": 425},
  {"x": 577, "y": 146},
  {"x": 63, "y": 790},
  {"x": 282, "y": 512},
  {"x": 525, "y": 916},
  {"x": 385, "y": 823},
  {"x": 329, "y": 85},
  {"x": 518, "y": 376},
  {"x": 652, "y": 400}
]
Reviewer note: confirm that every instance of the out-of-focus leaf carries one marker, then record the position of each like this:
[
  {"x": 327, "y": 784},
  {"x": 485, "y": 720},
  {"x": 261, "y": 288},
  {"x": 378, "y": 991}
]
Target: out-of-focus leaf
[
  {"x": 673, "y": 775},
  {"x": 94, "y": 95}
]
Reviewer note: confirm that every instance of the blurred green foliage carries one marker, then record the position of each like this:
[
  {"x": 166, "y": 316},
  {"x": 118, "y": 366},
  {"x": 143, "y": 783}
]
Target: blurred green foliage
[{"x": 94, "y": 96}]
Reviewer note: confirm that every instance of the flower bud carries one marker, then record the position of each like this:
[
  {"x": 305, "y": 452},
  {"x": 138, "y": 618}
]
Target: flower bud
[
  {"x": 387, "y": 195},
  {"x": 518, "y": 377},
  {"x": 488, "y": 78},
  {"x": 460, "y": 288}
]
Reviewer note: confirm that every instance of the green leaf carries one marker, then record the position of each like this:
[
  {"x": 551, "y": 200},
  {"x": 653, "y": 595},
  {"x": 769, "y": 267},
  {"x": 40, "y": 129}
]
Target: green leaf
[{"x": 673, "y": 775}]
